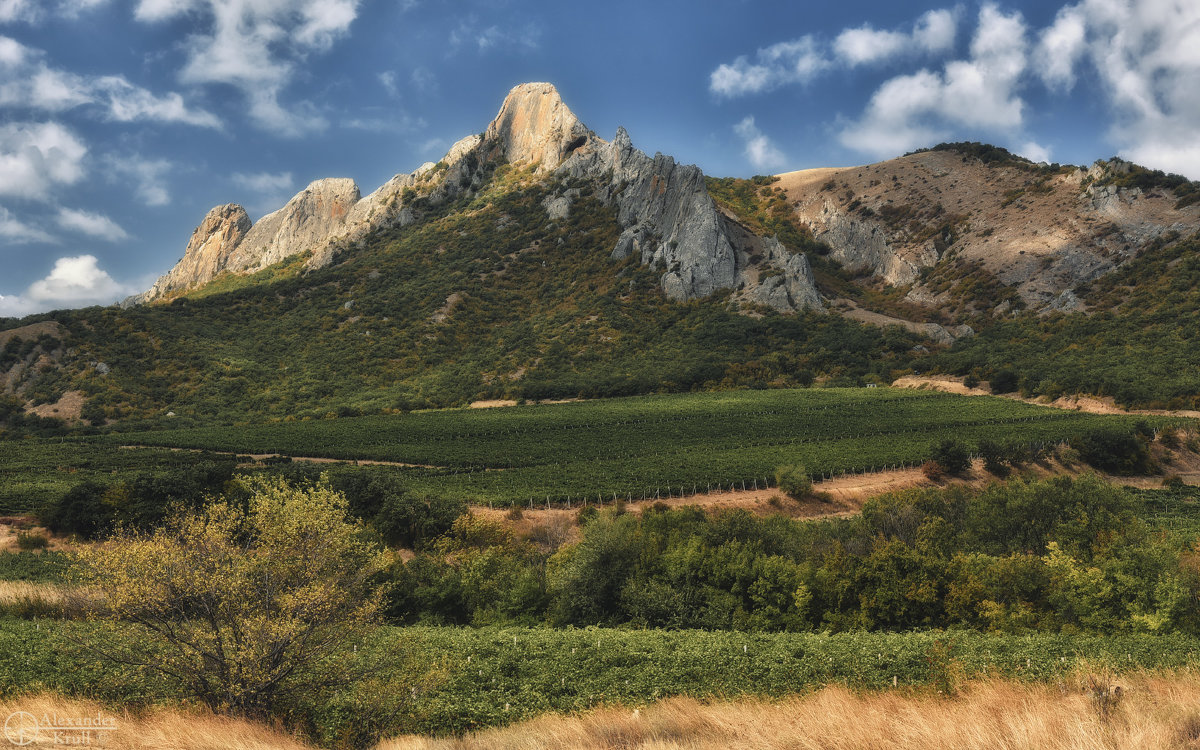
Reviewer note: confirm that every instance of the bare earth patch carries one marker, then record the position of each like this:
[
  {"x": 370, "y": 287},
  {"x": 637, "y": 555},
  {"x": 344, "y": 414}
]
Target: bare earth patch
[
  {"x": 1090, "y": 404},
  {"x": 67, "y": 408}
]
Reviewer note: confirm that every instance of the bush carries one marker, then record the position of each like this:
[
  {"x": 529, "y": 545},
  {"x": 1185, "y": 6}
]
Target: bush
[
  {"x": 30, "y": 540},
  {"x": 794, "y": 481},
  {"x": 1004, "y": 381},
  {"x": 1116, "y": 452},
  {"x": 933, "y": 471},
  {"x": 952, "y": 456},
  {"x": 995, "y": 457}
]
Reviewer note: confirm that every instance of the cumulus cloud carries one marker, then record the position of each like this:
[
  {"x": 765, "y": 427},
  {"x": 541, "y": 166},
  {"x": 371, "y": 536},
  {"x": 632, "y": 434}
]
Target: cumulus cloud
[
  {"x": 18, "y": 10},
  {"x": 76, "y": 281},
  {"x": 979, "y": 93},
  {"x": 90, "y": 224},
  {"x": 933, "y": 32},
  {"x": 1146, "y": 54},
  {"x": 35, "y": 157},
  {"x": 147, "y": 175},
  {"x": 15, "y": 231},
  {"x": 797, "y": 61},
  {"x": 1034, "y": 152},
  {"x": 28, "y": 82},
  {"x": 758, "y": 147},
  {"x": 1059, "y": 48},
  {"x": 256, "y": 45}
]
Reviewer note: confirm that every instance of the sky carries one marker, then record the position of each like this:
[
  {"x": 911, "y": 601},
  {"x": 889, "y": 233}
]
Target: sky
[{"x": 123, "y": 121}]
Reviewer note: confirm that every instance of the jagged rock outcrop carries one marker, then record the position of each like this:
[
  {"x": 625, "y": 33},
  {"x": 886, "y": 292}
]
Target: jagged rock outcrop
[
  {"x": 308, "y": 220},
  {"x": 207, "y": 252},
  {"x": 534, "y": 126},
  {"x": 667, "y": 216}
]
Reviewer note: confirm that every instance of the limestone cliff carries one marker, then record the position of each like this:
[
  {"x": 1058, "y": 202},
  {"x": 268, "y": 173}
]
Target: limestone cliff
[
  {"x": 207, "y": 252},
  {"x": 666, "y": 215}
]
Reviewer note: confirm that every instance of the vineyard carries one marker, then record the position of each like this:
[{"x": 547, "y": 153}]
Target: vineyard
[
  {"x": 449, "y": 680},
  {"x": 647, "y": 447}
]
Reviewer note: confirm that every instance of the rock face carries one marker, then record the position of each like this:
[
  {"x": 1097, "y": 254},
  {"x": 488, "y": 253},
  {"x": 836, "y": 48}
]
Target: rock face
[
  {"x": 1041, "y": 232},
  {"x": 207, "y": 252},
  {"x": 308, "y": 219},
  {"x": 667, "y": 217},
  {"x": 534, "y": 126}
]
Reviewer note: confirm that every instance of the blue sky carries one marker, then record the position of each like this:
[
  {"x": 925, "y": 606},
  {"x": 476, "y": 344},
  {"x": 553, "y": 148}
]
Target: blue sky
[{"x": 123, "y": 121}]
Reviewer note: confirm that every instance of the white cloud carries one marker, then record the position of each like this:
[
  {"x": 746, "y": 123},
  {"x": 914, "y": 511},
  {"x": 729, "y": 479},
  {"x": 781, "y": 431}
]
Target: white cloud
[
  {"x": 147, "y": 175},
  {"x": 264, "y": 182},
  {"x": 269, "y": 191},
  {"x": 74, "y": 8},
  {"x": 387, "y": 79},
  {"x": 1059, "y": 48},
  {"x": 1034, "y": 152},
  {"x": 92, "y": 225},
  {"x": 980, "y": 93},
  {"x": 1146, "y": 54},
  {"x": 18, "y": 10},
  {"x": 76, "y": 281},
  {"x": 256, "y": 46},
  {"x": 27, "y": 82},
  {"x": 34, "y": 157},
  {"x": 485, "y": 39},
  {"x": 759, "y": 150},
  {"x": 797, "y": 61},
  {"x": 933, "y": 32},
  {"x": 14, "y": 231}
]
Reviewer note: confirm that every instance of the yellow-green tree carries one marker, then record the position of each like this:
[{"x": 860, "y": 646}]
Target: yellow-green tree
[{"x": 245, "y": 604}]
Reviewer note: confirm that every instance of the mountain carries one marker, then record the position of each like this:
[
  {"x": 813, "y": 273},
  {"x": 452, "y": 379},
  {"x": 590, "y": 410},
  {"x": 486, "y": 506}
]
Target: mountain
[
  {"x": 667, "y": 218},
  {"x": 537, "y": 260}
]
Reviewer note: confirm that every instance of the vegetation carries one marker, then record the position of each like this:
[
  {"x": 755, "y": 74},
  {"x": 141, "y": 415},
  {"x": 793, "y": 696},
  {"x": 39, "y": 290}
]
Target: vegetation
[
  {"x": 1135, "y": 342},
  {"x": 648, "y": 447},
  {"x": 482, "y": 298},
  {"x": 248, "y": 605}
]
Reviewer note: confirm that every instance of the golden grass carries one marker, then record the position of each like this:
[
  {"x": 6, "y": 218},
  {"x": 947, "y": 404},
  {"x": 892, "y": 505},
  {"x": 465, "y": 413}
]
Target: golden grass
[
  {"x": 155, "y": 730},
  {"x": 1154, "y": 713},
  {"x": 20, "y": 592}
]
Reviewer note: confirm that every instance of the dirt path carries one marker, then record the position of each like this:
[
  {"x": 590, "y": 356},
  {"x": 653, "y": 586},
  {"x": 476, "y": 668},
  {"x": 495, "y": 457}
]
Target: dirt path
[
  {"x": 307, "y": 459},
  {"x": 1091, "y": 404}
]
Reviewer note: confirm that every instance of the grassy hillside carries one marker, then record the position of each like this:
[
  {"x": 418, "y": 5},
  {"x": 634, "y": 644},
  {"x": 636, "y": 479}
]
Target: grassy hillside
[
  {"x": 1137, "y": 340},
  {"x": 484, "y": 298}
]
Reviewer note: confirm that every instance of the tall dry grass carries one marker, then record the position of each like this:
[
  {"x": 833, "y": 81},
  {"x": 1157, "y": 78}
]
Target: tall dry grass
[
  {"x": 1152, "y": 713},
  {"x": 153, "y": 730}
]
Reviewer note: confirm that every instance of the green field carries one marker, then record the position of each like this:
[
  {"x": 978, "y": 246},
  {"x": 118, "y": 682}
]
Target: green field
[
  {"x": 34, "y": 473},
  {"x": 652, "y": 446},
  {"x": 447, "y": 680}
]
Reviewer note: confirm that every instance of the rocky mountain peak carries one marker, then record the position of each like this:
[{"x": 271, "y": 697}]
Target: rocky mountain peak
[
  {"x": 208, "y": 251},
  {"x": 534, "y": 126}
]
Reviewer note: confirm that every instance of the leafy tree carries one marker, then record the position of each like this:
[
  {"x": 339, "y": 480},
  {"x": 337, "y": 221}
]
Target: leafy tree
[
  {"x": 245, "y": 606},
  {"x": 1004, "y": 381},
  {"x": 952, "y": 456}
]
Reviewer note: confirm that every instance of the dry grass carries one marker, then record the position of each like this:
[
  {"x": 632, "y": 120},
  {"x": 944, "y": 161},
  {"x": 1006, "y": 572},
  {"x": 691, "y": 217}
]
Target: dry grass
[
  {"x": 155, "y": 730},
  {"x": 1154, "y": 713},
  {"x": 20, "y": 592},
  {"x": 1151, "y": 713}
]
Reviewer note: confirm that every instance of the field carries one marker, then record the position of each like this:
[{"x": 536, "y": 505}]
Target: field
[
  {"x": 645, "y": 447},
  {"x": 451, "y": 680},
  {"x": 36, "y": 472}
]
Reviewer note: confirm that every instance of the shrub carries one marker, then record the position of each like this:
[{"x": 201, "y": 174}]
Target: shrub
[
  {"x": 1004, "y": 381},
  {"x": 794, "y": 481},
  {"x": 952, "y": 456},
  {"x": 933, "y": 471},
  {"x": 247, "y": 607},
  {"x": 995, "y": 457},
  {"x": 1115, "y": 451},
  {"x": 30, "y": 540}
]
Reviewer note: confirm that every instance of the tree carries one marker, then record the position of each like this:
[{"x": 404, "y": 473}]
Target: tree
[
  {"x": 952, "y": 456},
  {"x": 246, "y": 606}
]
